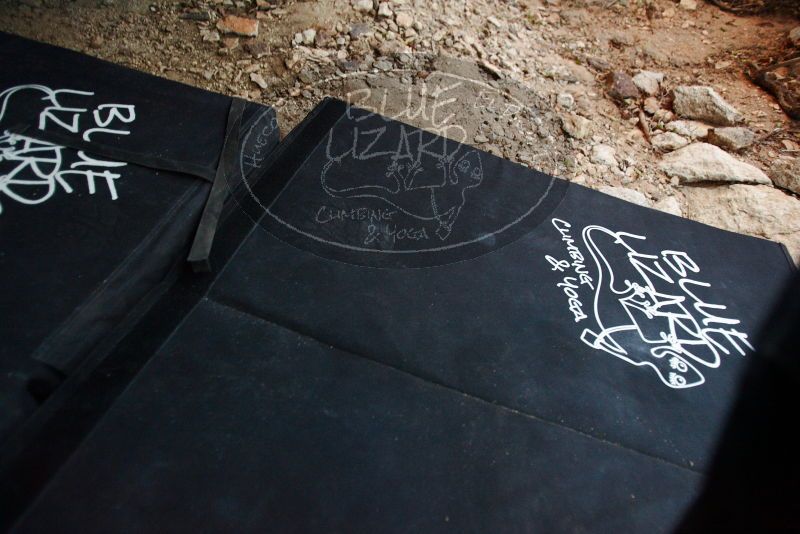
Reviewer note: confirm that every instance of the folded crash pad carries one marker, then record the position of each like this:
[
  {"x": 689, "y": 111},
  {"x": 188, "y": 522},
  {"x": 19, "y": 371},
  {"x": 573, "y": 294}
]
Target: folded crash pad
[
  {"x": 416, "y": 335},
  {"x": 104, "y": 175}
]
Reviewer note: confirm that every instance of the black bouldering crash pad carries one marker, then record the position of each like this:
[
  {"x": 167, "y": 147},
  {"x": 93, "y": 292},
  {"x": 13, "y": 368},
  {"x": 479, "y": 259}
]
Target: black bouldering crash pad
[
  {"x": 104, "y": 175},
  {"x": 416, "y": 335}
]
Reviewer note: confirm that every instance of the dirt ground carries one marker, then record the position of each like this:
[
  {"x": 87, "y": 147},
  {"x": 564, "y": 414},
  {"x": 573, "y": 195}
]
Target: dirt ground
[{"x": 501, "y": 75}]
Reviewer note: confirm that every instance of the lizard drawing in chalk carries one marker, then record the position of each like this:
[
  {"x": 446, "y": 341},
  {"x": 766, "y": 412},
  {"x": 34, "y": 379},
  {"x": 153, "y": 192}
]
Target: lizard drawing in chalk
[{"x": 416, "y": 179}]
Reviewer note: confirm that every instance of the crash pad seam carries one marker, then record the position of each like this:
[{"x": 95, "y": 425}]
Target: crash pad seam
[{"x": 242, "y": 311}]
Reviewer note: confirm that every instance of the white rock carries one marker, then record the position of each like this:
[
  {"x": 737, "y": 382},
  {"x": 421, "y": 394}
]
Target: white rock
[
  {"x": 669, "y": 141},
  {"x": 309, "y": 36},
  {"x": 651, "y": 105},
  {"x": 794, "y": 36},
  {"x": 750, "y": 209},
  {"x": 384, "y": 10},
  {"x": 689, "y": 5},
  {"x": 575, "y": 126},
  {"x": 362, "y": 6},
  {"x": 731, "y": 137},
  {"x": 690, "y": 129},
  {"x": 211, "y": 36},
  {"x": 663, "y": 116},
  {"x": 259, "y": 80},
  {"x": 701, "y": 162},
  {"x": 627, "y": 194},
  {"x": 669, "y": 205},
  {"x": 604, "y": 155},
  {"x": 648, "y": 82},
  {"x": 565, "y": 100},
  {"x": 703, "y": 103},
  {"x": 785, "y": 173},
  {"x": 404, "y": 20}
]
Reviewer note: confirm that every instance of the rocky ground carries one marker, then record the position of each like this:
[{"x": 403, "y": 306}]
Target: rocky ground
[{"x": 642, "y": 99}]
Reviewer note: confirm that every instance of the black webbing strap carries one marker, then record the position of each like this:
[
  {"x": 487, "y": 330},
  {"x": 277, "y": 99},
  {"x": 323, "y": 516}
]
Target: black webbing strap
[{"x": 204, "y": 237}]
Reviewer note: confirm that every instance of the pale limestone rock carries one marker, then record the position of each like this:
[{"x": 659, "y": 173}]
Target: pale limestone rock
[
  {"x": 703, "y": 103},
  {"x": 732, "y": 137},
  {"x": 627, "y": 194},
  {"x": 690, "y": 129},
  {"x": 575, "y": 126},
  {"x": 785, "y": 173},
  {"x": 669, "y": 141},
  {"x": 756, "y": 210},
  {"x": 701, "y": 162},
  {"x": 648, "y": 82},
  {"x": 669, "y": 205},
  {"x": 604, "y": 155}
]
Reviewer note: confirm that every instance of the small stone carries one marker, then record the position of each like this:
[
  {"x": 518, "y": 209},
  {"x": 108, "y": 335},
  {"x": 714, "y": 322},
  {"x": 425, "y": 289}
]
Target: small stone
[
  {"x": 209, "y": 36},
  {"x": 495, "y": 21},
  {"x": 348, "y": 65},
  {"x": 498, "y": 130},
  {"x": 575, "y": 126},
  {"x": 622, "y": 39},
  {"x": 309, "y": 36},
  {"x": 259, "y": 80},
  {"x": 648, "y": 82},
  {"x": 383, "y": 65},
  {"x": 604, "y": 155},
  {"x": 96, "y": 42},
  {"x": 669, "y": 205},
  {"x": 702, "y": 162},
  {"x": 599, "y": 63},
  {"x": 230, "y": 43},
  {"x": 669, "y": 141},
  {"x": 651, "y": 105},
  {"x": 392, "y": 49},
  {"x": 257, "y": 49},
  {"x": 565, "y": 100},
  {"x": 794, "y": 36},
  {"x": 663, "y": 116},
  {"x": 238, "y": 26},
  {"x": 404, "y": 20},
  {"x": 359, "y": 30},
  {"x": 362, "y": 6},
  {"x": 620, "y": 86},
  {"x": 703, "y": 103},
  {"x": 481, "y": 139},
  {"x": 689, "y": 5},
  {"x": 732, "y": 137},
  {"x": 690, "y": 129},
  {"x": 785, "y": 173},
  {"x": 385, "y": 10},
  {"x": 306, "y": 76},
  {"x": 325, "y": 38},
  {"x": 627, "y": 194}
]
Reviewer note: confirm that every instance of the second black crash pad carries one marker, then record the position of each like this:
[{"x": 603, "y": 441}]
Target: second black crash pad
[
  {"x": 416, "y": 335},
  {"x": 105, "y": 173}
]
